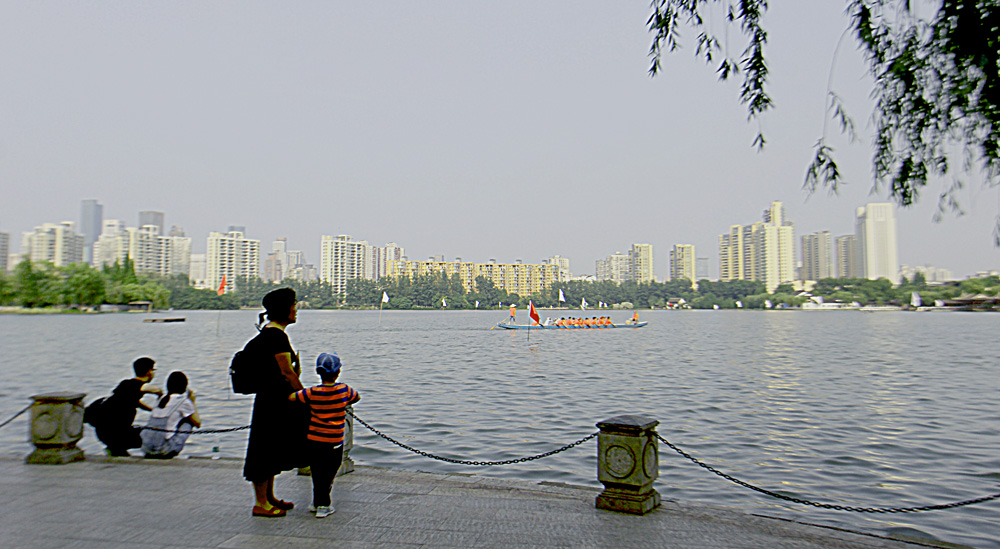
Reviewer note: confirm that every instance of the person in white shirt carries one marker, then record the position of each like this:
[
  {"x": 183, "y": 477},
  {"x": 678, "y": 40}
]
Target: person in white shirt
[{"x": 171, "y": 420}]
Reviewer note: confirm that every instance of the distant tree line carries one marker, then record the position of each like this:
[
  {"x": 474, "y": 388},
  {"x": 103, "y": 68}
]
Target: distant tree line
[{"x": 41, "y": 284}]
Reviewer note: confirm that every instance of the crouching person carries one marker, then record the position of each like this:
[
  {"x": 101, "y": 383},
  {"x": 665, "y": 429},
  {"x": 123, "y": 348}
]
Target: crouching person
[
  {"x": 171, "y": 420},
  {"x": 327, "y": 403}
]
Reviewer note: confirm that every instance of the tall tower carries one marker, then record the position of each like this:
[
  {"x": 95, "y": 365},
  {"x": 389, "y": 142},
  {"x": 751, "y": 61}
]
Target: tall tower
[
  {"x": 682, "y": 262},
  {"x": 152, "y": 218},
  {"x": 91, "y": 217},
  {"x": 875, "y": 230},
  {"x": 816, "y": 249}
]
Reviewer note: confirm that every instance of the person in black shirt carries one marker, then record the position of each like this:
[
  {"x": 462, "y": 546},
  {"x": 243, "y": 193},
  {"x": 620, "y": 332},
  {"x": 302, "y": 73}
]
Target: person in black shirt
[{"x": 116, "y": 430}]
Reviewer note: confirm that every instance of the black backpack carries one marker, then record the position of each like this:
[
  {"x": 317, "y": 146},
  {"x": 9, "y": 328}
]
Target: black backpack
[
  {"x": 93, "y": 414},
  {"x": 244, "y": 372}
]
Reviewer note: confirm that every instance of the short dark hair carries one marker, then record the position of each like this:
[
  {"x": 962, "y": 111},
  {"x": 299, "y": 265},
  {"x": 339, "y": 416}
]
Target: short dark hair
[{"x": 142, "y": 366}]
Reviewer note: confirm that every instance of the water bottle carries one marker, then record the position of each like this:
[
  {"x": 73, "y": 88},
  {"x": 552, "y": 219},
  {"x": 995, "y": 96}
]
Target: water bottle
[{"x": 215, "y": 448}]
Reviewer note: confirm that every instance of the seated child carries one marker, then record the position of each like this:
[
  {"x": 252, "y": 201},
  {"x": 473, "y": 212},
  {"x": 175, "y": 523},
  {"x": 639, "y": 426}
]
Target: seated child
[
  {"x": 325, "y": 441},
  {"x": 173, "y": 416}
]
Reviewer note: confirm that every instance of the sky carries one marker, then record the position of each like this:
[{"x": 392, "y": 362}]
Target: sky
[{"x": 504, "y": 130}]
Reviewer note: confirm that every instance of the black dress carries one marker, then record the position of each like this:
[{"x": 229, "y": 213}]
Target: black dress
[{"x": 278, "y": 426}]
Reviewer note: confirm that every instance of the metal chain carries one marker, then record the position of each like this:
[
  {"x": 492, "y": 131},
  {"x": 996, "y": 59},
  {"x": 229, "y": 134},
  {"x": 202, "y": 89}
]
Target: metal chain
[
  {"x": 467, "y": 462},
  {"x": 26, "y": 408},
  {"x": 828, "y": 505},
  {"x": 198, "y": 432}
]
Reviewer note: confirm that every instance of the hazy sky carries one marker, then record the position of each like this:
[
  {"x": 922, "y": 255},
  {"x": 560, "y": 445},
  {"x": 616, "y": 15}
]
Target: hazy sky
[{"x": 507, "y": 130}]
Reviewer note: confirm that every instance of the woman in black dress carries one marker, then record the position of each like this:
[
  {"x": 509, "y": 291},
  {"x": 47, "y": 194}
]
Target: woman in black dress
[{"x": 278, "y": 427}]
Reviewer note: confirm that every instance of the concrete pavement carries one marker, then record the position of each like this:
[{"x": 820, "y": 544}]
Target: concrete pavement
[{"x": 131, "y": 502}]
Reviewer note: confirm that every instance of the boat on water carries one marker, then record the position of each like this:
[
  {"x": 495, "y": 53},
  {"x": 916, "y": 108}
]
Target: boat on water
[{"x": 573, "y": 327}]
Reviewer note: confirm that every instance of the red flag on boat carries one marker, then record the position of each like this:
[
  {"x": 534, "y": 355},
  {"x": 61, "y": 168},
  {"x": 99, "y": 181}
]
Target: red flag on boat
[
  {"x": 533, "y": 313},
  {"x": 222, "y": 286}
]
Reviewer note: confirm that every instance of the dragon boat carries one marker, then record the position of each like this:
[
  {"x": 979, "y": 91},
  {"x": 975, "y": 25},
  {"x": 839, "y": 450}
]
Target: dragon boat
[{"x": 574, "y": 327}]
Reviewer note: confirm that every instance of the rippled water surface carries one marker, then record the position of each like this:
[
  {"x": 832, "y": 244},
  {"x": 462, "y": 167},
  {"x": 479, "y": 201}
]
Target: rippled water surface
[{"x": 887, "y": 409}]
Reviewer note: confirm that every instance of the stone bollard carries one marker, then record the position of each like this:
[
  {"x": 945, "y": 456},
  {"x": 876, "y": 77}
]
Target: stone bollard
[
  {"x": 56, "y": 427},
  {"x": 627, "y": 464}
]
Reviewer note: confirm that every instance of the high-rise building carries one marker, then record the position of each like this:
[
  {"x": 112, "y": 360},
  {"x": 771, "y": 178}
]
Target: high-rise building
[
  {"x": 91, "y": 216},
  {"x": 701, "y": 268},
  {"x": 111, "y": 244},
  {"x": 847, "y": 257},
  {"x": 816, "y": 253},
  {"x": 390, "y": 252},
  {"x": 563, "y": 264},
  {"x": 616, "y": 267},
  {"x": 149, "y": 217},
  {"x": 59, "y": 244},
  {"x": 342, "y": 259},
  {"x": 875, "y": 229},
  {"x": 763, "y": 251},
  {"x": 4, "y": 251},
  {"x": 197, "y": 275},
  {"x": 682, "y": 263},
  {"x": 149, "y": 251},
  {"x": 641, "y": 262},
  {"x": 232, "y": 256}
]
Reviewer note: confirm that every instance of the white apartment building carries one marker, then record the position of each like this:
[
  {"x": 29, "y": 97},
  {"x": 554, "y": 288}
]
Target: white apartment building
[
  {"x": 342, "y": 259},
  {"x": 563, "y": 264},
  {"x": 875, "y": 229},
  {"x": 149, "y": 251},
  {"x": 58, "y": 243},
  {"x": 233, "y": 256},
  {"x": 616, "y": 267},
  {"x": 846, "y": 261},
  {"x": 390, "y": 252},
  {"x": 816, "y": 254},
  {"x": 641, "y": 263},
  {"x": 682, "y": 262},
  {"x": 763, "y": 251}
]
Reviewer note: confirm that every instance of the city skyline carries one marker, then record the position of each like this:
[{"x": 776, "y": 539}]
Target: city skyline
[{"x": 536, "y": 135}]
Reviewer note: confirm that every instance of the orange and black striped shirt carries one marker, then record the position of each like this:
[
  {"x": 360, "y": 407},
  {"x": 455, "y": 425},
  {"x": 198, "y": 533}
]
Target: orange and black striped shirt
[{"x": 327, "y": 405}]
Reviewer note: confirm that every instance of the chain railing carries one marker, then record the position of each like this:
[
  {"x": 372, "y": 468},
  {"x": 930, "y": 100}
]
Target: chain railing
[
  {"x": 693, "y": 459},
  {"x": 469, "y": 462},
  {"x": 735, "y": 480},
  {"x": 15, "y": 416}
]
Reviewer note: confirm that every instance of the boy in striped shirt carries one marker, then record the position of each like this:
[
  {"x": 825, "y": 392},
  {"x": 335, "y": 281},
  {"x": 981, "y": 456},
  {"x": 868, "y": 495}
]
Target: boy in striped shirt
[{"x": 325, "y": 442}]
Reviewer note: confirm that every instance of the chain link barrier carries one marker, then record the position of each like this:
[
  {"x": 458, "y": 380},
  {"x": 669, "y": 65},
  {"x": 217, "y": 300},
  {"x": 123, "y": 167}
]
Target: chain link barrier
[
  {"x": 15, "y": 416},
  {"x": 198, "y": 431},
  {"x": 469, "y": 462},
  {"x": 827, "y": 505},
  {"x": 693, "y": 459}
]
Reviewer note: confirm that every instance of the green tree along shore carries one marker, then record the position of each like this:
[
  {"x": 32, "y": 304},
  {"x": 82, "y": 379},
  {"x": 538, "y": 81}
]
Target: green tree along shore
[{"x": 79, "y": 286}]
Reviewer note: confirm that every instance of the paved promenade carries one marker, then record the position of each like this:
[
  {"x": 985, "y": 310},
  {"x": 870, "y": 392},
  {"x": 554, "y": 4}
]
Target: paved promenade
[{"x": 129, "y": 502}]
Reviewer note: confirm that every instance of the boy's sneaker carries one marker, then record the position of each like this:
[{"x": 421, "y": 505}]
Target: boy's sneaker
[
  {"x": 325, "y": 511},
  {"x": 312, "y": 508}
]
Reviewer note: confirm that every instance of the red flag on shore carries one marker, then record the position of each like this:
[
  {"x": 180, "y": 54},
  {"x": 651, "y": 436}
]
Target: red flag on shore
[
  {"x": 533, "y": 313},
  {"x": 222, "y": 286}
]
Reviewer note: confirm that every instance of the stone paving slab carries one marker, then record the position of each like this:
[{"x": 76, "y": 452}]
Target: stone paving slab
[{"x": 130, "y": 502}]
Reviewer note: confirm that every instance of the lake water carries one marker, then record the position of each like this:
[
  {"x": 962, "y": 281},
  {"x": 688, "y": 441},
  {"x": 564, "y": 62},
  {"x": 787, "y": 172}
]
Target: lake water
[{"x": 888, "y": 409}]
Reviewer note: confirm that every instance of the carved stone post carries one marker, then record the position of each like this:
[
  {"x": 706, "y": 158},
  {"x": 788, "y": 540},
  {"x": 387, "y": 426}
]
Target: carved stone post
[
  {"x": 56, "y": 427},
  {"x": 627, "y": 464},
  {"x": 347, "y": 465}
]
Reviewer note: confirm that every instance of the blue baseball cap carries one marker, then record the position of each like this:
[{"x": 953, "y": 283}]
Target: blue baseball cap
[{"x": 327, "y": 364}]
